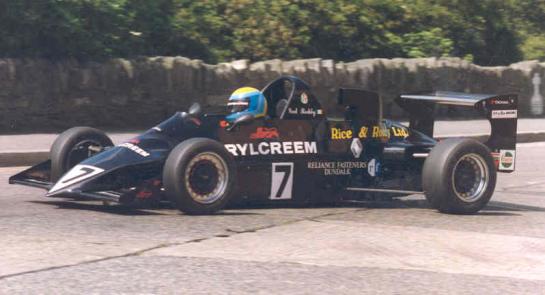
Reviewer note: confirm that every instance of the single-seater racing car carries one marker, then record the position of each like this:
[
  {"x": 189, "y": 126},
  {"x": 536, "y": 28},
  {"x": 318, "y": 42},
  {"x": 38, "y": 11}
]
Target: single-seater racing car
[{"x": 278, "y": 146}]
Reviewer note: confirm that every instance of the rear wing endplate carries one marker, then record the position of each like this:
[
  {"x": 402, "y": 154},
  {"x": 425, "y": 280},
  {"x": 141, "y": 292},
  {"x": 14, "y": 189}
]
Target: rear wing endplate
[{"x": 500, "y": 110}]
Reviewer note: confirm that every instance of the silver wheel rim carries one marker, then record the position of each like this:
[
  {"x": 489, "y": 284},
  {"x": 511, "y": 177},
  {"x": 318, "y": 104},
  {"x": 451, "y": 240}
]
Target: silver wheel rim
[
  {"x": 212, "y": 193},
  {"x": 470, "y": 178}
]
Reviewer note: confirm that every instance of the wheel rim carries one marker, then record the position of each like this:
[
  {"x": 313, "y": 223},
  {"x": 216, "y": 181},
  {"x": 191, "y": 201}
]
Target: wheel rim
[
  {"x": 206, "y": 178},
  {"x": 470, "y": 177},
  {"x": 81, "y": 151}
]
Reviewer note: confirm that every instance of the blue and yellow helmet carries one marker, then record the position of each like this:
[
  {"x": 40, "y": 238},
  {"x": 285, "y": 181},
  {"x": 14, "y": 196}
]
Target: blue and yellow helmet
[{"x": 246, "y": 100}]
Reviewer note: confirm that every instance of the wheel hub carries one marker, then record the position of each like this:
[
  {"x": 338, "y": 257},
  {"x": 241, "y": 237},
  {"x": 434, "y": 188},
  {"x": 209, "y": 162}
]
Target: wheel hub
[
  {"x": 470, "y": 177},
  {"x": 203, "y": 177},
  {"x": 81, "y": 151},
  {"x": 206, "y": 177}
]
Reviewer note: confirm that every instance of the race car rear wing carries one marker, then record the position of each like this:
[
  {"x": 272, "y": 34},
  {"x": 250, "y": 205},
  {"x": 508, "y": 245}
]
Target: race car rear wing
[{"x": 500, "y": 110}]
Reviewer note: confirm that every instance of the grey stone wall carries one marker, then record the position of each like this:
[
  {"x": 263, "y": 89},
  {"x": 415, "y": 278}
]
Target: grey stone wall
[{"x": 41, "y": 95}]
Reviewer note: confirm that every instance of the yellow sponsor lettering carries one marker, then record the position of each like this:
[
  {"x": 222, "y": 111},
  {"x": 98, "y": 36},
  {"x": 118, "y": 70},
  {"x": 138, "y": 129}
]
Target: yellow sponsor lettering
[
  {"x": 400, "y": 132},
  {"x": 376, "y": 130},
  {"x": 363, "y": 132},
  {"x": 338, "y": 133},
  {"x": 380, "y": 132}
]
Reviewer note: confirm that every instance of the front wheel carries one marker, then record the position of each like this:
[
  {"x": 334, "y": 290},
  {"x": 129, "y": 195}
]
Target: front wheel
[
  {"x": 459, "y": 176},
  {"x": 73, "y": 146},
  {"x": 199, "y": 176}
]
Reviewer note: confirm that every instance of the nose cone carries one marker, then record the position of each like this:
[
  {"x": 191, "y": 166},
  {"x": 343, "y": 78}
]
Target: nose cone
[{"x": 74, "y": 177}]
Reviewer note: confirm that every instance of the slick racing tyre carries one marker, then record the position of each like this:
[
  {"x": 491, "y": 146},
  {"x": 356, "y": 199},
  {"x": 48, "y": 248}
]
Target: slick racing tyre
[
  {"x": 73, "y": 146},
  {"x": 459, "y": 176},
  {"x": 199, "y": 176}
]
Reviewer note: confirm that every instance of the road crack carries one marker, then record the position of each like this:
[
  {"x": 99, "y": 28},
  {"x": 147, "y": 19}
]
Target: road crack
[{"x": 166, "y": 245}]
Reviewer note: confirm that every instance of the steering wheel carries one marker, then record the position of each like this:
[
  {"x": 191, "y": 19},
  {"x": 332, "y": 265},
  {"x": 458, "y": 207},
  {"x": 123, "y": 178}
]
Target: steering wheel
[{"x": 276, "y": 95}]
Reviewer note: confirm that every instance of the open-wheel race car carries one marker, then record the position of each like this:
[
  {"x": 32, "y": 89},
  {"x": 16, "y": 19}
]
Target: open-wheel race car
[{"x": 282, "y": 148}]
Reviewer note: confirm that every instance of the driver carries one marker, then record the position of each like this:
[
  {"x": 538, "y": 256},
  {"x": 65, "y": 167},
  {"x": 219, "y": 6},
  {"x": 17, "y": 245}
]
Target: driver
[{"x": 246, "y": 101}]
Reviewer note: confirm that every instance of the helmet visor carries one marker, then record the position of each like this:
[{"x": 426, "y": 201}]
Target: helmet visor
[{"x": 237, "y": 106}]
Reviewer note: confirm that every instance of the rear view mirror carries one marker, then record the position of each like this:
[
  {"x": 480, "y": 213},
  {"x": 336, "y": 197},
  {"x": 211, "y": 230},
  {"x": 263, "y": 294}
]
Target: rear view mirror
[{"x": 195, "y": 110}]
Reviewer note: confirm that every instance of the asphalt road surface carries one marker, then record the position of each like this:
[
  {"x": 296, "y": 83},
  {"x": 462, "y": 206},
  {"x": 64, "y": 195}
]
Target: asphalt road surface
[{"x": 52, "y": 246}]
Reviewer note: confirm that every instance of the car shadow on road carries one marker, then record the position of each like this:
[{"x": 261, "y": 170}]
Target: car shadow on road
[
  {"x": 363, "y": 204},
  {"x": 506, "y": 206},
  {"x": 484, "y": 212},
  {"x": 423, "y": 204},
  {"x": 115, "y": 209},
  {"x": 494, "y": 208},
  {"x": 166, "y": 208}
]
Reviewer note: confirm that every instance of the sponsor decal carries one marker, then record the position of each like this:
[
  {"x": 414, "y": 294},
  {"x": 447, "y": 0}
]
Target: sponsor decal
[
  {"x": 135, "y": 149},
  {"x": 496, "y": 157},
  {"x": 336, "y": 168},
  {"x": 304, "y": 98},
  {"x": 363, "y": 132},
  {"x": 264, "y": 132},
  {"x": 75, "y": 175},
  {"x": 356, "y": 147},
  {"x": 272, "y": 148},
  {"x": 499, "y": 101},
  {"x": 196, "y": 121},
  {"x": 338, "y": 133},
  {"x": 504, "y": 114},
  {"x": 304, "y": 111},
  {"x": 309, "y": 111},
  {"x": 400, "y": 132},
  {"x": 507, "y": 160},
  {"x": 373, "y": 168},
  {"x": 379, "y": 132}
]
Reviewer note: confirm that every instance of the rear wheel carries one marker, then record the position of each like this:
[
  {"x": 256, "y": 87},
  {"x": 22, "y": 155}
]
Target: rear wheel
[
  {"x": 73, "y": 146},
  {"x": 199, "y": 176},
  {"x": 459, "y": 176}
]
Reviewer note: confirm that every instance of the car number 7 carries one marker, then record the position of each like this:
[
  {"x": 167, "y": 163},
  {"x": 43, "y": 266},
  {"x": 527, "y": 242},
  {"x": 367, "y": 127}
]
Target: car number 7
[{"x": 281, "y": 181}]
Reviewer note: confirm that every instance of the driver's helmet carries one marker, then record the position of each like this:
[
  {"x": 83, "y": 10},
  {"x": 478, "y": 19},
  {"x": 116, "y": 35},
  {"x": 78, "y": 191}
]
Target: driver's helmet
[{"x": 246, "y": 100}]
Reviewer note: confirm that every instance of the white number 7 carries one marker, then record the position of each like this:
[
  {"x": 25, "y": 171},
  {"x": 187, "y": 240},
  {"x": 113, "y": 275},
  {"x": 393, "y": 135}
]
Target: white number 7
[{"x": 281, "y": 181}]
